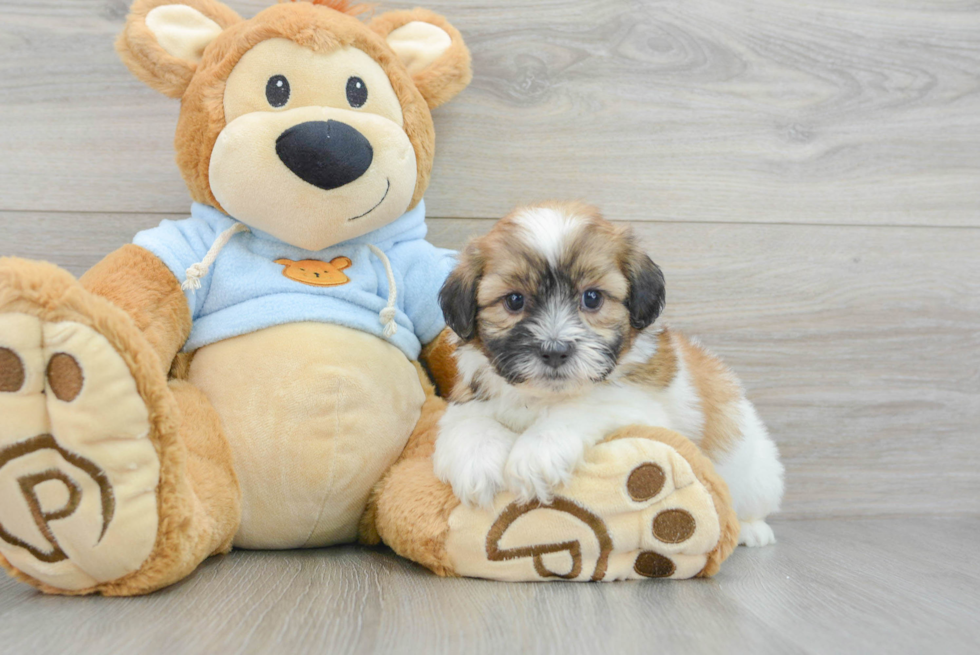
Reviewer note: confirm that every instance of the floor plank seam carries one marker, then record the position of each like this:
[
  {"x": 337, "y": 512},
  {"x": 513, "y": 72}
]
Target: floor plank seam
[{"x": 494, "y": 218}]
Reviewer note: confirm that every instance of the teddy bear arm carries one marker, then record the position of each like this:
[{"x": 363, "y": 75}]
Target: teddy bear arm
[
  {"x": 137, "y": 281},
  {"x": 437, "y": 358}
]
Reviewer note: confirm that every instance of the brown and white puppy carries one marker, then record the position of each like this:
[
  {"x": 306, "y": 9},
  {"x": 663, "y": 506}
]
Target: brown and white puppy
[{"x": 555, "y": 312}]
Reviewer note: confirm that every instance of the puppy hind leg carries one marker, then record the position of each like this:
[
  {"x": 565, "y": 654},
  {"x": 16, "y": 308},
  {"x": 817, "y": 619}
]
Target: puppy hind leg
[{"x": 755, "y": 478}]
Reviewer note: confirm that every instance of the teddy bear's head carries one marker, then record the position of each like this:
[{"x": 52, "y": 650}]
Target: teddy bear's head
[{"x": 304, "y": 122}]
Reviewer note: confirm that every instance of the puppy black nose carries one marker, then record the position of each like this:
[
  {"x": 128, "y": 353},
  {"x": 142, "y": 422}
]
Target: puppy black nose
[
  {"x": 556, "y": 353},
  {"x": 327, "y": 154}
]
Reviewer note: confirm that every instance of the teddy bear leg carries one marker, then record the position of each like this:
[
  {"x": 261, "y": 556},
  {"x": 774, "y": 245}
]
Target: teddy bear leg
[
  {"x": 646, "y": 503},
  {"x": 99, "y": 456},
  {"x": 207, "y": 487},
  {"x": 409, "y": 507}
]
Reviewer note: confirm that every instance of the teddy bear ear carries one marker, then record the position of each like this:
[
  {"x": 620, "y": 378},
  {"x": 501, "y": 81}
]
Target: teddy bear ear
[
  {"x": 430, "y": 48},
  {"x": 164, "y": 40}
]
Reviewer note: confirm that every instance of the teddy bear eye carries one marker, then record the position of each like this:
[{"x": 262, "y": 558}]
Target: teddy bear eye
[
  {"x": 356, "y": 92},
  {"x": 277, "y": 91}
]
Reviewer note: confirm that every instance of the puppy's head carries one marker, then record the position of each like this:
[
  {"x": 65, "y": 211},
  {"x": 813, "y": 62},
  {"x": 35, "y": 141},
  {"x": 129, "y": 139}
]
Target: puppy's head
[{"x": 553, "y": 296}]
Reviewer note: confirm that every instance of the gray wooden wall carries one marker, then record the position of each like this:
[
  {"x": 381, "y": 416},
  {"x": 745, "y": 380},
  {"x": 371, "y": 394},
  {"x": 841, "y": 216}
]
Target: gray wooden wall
[{"x": 807, "y": 174}]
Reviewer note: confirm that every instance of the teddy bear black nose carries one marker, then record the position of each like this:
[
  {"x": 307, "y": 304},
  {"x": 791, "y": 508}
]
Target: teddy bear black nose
[{"x": 327, "y": 154}]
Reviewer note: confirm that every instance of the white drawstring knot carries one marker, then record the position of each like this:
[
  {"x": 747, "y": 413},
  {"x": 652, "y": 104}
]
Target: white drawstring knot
[
  {"x": 196, "y": 271},
  {"x": 194, "y": 274},
  {"x": 387, "y": 315}
]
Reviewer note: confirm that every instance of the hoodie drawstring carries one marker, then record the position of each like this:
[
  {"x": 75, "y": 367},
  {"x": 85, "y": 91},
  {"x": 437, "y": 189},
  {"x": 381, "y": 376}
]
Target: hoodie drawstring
[
  {"x": 387, "y": 315},
  {"x": 196, "y": 271}
]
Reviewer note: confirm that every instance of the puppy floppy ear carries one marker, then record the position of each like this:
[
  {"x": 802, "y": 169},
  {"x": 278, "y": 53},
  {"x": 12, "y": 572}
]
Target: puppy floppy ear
[
  {"x": 431, "y": 49},
  {"x": 457, "y": 298},
  {"x": 647, "y": 290},
  {"x": 164, "y": 40}
]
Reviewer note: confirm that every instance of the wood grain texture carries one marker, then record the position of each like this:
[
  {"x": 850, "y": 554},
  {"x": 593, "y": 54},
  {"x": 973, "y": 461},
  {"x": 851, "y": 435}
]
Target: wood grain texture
[
  {"x": 698, "y": 110},
  {"x": 830, "y": 587},
  {"x": 859, "y": 345}
]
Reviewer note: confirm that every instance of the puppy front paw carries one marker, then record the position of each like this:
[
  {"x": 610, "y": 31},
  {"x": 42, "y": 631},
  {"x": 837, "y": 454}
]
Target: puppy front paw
[
  {"x": 539, "y": 463},
  {"x": 473, "y": 465}
]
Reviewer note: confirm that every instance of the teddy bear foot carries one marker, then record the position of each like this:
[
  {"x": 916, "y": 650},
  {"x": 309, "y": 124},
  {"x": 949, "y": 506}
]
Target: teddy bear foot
[
  {"x": 644, "y": 504},
  {"x": 79, "y": 466}
]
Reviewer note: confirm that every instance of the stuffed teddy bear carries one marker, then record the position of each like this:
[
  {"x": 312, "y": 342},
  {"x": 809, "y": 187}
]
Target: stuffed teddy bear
[{"x": 250, "y": 376}]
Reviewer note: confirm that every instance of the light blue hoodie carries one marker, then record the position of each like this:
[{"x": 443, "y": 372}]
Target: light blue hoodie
[{"x": 245, "y": 290}]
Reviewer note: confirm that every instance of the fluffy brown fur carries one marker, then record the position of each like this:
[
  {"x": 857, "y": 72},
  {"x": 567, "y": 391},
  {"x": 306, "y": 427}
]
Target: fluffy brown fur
[
  {"x": 143, "y": 56},
  {"x": 343, "y": 6},
  {"x": 543, "y": 263},
  {"x": 658, "y": 371},
  {"x": 320, "y": 27},
  {"x": 439, "y": 362},
  {"x": 136, "y": 281},
  {"x": 718, "y": 388},
  {"x": 451, "y": 72}
]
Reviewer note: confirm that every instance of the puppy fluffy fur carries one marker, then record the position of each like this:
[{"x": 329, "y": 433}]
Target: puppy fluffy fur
[{"x": 555, "y": 312}]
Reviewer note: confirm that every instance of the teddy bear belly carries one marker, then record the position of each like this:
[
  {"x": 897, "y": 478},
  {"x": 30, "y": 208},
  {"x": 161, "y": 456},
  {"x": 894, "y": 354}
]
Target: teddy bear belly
[{"x": 315, "y": 414}]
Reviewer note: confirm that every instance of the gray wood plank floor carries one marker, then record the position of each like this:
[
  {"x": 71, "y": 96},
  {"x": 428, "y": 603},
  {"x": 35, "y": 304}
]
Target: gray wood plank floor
[{"x": 858, "y": 586}]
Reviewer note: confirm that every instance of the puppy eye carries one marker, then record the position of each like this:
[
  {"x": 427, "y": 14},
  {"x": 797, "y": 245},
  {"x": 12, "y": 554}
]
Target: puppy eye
[
  {"x": 592, "y": 300},
  {"x": 514, "y": 302},
  {"x": 277, "y": 91},
  {"x": 356, "y": 92}
]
